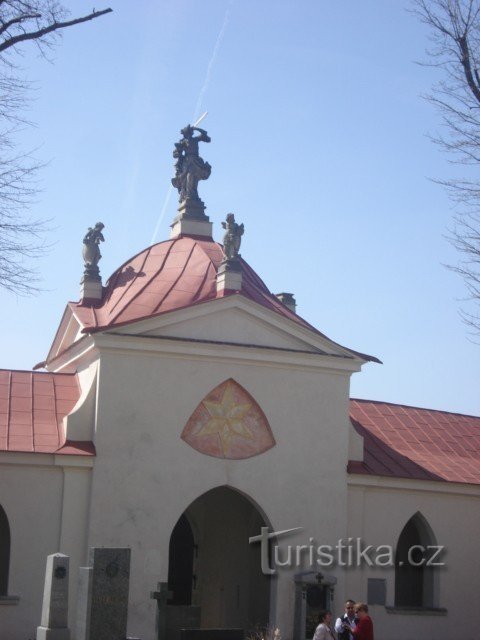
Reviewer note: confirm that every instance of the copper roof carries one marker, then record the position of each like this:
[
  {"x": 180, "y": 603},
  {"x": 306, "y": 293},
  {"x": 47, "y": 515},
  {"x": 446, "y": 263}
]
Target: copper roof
[
  {"x": 32, "y": 408},
  {"x": 423, "y": 444},
  {"x": 172, "y": 275}
]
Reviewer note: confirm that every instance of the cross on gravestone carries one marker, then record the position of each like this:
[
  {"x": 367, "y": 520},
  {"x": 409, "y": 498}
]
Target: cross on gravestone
[{"x": 161, "y": 596}]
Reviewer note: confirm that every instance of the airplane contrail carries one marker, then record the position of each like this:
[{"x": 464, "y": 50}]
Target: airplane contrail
[
  {"x": 198, "y": 106},
  {"x": 208, "y": 75}
]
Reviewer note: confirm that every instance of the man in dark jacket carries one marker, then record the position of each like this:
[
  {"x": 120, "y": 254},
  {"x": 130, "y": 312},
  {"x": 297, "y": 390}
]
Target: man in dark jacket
[{"x": 346, "y": 622}]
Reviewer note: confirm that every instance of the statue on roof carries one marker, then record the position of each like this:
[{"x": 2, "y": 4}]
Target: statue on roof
[
  {"x": 91, "y": 250},
  {"x": 232, "y": 238},
  {"x": 189, "y": 167}
]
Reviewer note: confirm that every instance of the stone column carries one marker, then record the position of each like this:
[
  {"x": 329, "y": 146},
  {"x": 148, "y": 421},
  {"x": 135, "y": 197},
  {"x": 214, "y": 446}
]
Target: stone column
[{"x": 54, "y": 624}]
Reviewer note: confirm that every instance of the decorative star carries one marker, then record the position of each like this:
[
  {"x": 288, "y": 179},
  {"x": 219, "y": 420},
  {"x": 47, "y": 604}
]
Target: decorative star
[{"x": 226, "y": 420}]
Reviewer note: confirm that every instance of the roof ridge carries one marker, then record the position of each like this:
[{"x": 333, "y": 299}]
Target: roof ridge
[
  {"x": 43, "y": 373},
  {"x": 409, "y": 406}
]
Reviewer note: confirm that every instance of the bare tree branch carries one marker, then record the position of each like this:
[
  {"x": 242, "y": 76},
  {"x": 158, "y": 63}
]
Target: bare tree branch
[
  {"x": 21, "y": 239},
  {"x": 41, "y": 33},
  {"x": 455, "y": 34}
]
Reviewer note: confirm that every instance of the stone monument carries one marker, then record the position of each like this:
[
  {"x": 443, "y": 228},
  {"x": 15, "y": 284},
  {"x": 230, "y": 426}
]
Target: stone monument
[
  {"x": 161, "y": 595},
  {"x": 54, "y": 622},
  {"x": 103, "y": 595},
  {"x": 91, "y": 282},
  {"x": 190, "y": 168},
  {"x": 229, "y": 276}
]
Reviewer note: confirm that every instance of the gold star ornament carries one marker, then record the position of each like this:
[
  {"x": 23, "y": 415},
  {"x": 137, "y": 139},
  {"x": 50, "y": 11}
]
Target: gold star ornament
[{"x": 228, "y": 423}]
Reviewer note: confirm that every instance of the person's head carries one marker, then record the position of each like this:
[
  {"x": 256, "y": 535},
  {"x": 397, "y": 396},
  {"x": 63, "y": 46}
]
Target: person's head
[
  {"x": 187, "y": 131},
  {"x": 361, "y": 609},
  {"x": 325, "y": 616},
  {"x": 350, "y": 608}
]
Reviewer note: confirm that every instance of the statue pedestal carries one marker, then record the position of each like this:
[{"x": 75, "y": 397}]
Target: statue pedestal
[
  {"x": 191, "y": 227},
  {"x": 191, "y": 220},
  {"x": 91, "y": 291},
  {"x": 229, "y": 277}
]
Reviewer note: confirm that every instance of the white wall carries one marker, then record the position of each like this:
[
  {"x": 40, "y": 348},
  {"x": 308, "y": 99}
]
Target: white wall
[
  {"x": 45, "y": 506},
  {"x": 145, "y": 476},
  {"x": 379, "y": 513}
]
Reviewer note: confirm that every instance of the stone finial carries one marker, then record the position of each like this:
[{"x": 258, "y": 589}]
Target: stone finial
[
  {"x": 288, "y": 300},
  {"x": 190, "y": 168},
  {"x": 91, "y": 282},
  {"x": 229, "y": 275}
]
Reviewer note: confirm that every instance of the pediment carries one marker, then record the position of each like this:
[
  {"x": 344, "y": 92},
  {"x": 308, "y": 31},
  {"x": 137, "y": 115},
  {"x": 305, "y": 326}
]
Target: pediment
[
  {"x": 68, "y": 332},
  {"x": 236, "y": 321}
]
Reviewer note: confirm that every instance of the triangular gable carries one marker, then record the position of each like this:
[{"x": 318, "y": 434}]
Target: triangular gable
[
  {"x": 237, "y": 320},
  {"x": 69, "y": 332}
]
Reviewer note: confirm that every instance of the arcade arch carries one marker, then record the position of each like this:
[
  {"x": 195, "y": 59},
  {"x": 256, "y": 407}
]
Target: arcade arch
[{"x": 214, "y": 573}]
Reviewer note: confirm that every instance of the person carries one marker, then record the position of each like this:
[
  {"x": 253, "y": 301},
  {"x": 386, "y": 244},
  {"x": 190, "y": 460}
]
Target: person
[
  {"x": 348, "y": 619},
  {"x": 324, "y": 630},
  {"x": 364, "y": 627}
]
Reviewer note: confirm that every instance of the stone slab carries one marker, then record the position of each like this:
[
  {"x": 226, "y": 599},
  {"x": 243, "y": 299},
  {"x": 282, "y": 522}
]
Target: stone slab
[
  {"x": 43, "y": 633},
  {"x": 181, "y": 617},
  {"x": 84, "y": 601},
  {"x": 109, "y": 593},
  {"x": 212, "y": 634}
]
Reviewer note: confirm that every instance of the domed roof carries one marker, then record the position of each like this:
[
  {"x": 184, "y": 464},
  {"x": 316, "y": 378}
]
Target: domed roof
[{"x": 168, "y": 276}]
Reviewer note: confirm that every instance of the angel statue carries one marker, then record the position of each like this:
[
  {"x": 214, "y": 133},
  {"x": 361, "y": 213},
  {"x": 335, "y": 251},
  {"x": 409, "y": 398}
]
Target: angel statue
[{"x": 232, "y": 238}]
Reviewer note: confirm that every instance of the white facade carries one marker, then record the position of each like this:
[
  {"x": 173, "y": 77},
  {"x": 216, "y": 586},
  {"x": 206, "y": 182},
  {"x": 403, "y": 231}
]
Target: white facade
[{"x": 140, "y": 385}]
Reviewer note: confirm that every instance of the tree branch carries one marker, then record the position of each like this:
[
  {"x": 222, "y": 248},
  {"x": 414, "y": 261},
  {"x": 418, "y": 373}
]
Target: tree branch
[{"x": 55, "y": 26}]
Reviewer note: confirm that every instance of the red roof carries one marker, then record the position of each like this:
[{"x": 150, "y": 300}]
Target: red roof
[
  {"x": 32, "y": 408},
  {"x": 408, "y": 442},
  {"x": 170, "y": 275},
  {"x": 173, "y": 275}
]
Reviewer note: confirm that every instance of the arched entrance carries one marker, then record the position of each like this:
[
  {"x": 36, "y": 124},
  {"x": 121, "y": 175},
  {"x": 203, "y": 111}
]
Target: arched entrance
[{"x": 214, "y": 574}]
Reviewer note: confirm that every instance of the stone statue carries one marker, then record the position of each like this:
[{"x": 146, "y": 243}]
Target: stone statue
[
  {"x": 232, "y": 238},
  {"x": 91, "y": 251},
  {"x": 189, "y": 167}
]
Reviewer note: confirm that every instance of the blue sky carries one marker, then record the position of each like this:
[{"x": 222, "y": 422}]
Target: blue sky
[{"x": 319, "y": 146}]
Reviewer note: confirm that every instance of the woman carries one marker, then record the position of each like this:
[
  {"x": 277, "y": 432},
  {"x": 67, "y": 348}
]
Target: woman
[
  {"x": 324, "y": 630},
  {"x": 364, "y": 627}
]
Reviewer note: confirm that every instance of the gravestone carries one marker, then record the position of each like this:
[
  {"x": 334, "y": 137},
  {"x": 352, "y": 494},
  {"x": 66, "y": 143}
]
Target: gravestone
[
  {"x": 212, "y": 634},
  {"x": 161, "y": 595},
  {"x": 54, "y": 622},
  {"x": 103, "y": 595}
]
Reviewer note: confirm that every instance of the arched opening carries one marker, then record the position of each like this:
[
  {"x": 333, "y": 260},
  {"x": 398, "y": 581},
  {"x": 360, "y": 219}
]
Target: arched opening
[
  {"x": 414, "y": 579},
  {"x": 215, "y": 575},
  {"x": 4, "y": 552},
  {"x": 180, "y": 563}
]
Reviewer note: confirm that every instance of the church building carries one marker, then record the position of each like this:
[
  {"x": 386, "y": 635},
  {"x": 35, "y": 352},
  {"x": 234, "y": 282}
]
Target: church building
[{"x": 186, "y": 412}]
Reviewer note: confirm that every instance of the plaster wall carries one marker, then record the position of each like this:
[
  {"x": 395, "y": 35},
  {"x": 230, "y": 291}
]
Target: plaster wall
[
  {"x": 378, "y": 514},
  {"x": 145, "y": 476},
  {"x": 45, "y": 507}
]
